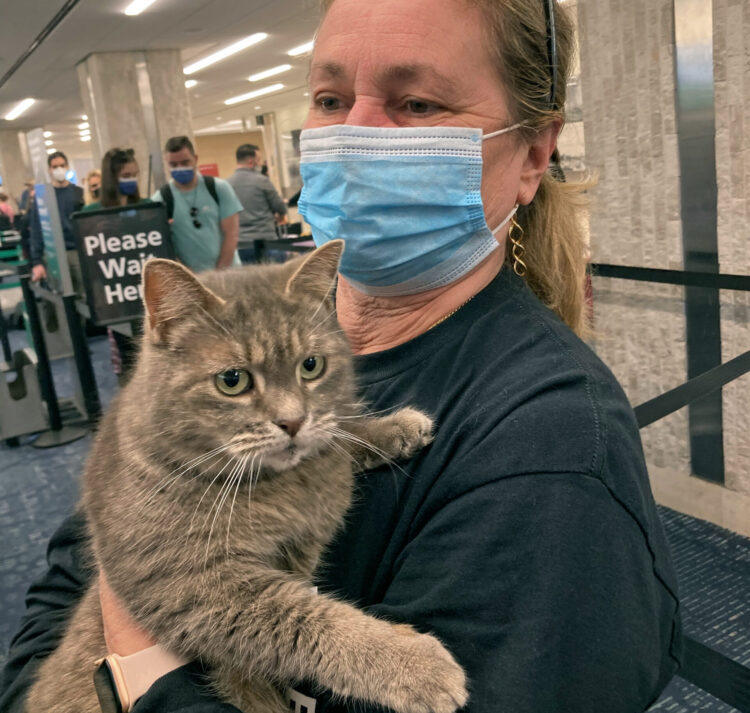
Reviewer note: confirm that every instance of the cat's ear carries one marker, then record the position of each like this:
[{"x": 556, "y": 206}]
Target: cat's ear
[
  {"x": 170, "y": 293},
  {"x": 316, "y": 275}
]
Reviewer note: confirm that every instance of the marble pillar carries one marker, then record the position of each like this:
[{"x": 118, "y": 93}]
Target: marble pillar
[
  {"x": 136, "y": 100},
  {"x": 13, "y": 167}
]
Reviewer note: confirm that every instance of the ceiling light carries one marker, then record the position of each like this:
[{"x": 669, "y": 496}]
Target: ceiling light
[
  {"x": 84, "y": 133},
  {"x": 48, "y": 142},
  {"x": 138, "y": 6},
  {"x": 257, "y": 93},
  {"x": 84, "y": 117},
  {"x": 85, "y": 125},
  {"x": 258, "y": 107},
  {"x": 47, "y": 134},
  {"x": 190, "y": 83},
  {"x": 86, "y": 138},
  {"x": 226, "y": 52},
  {"x": 306, "y": 94},
  {"x": 19, "y": 109},
  {"x": 302, "y": 49},
  {"x": 269, "y": 73},
  {"x": 51, "y": 150}
]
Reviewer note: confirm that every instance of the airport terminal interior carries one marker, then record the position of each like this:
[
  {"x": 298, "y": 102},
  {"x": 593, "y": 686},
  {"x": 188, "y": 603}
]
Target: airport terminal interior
[{"x": 657, "y": 120}]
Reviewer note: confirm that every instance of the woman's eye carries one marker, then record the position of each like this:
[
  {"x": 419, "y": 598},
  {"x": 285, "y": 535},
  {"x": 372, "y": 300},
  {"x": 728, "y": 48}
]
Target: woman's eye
[
  {"x": 418, "y": 106},
  {"x": 312, "y": 367},
  {"x": 233, "y": 382},
  {"x": 329, "y": 103}
]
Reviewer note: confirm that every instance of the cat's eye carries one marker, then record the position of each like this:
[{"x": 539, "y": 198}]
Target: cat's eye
[
  {"x": 233, "y": 382},
  {"x": 312, "y": 367}
]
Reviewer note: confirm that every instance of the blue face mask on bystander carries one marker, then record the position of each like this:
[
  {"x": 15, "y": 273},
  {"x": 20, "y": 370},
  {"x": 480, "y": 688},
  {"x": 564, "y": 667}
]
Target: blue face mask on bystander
[
  {"x": 128, "y": 186},
  {"x": 183, "y": 175},
  {"x": 406, "y": 201}
]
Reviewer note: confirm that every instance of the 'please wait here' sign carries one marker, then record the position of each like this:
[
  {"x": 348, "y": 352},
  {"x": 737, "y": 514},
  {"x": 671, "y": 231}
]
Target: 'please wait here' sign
[{"x": 113, "y": 246}]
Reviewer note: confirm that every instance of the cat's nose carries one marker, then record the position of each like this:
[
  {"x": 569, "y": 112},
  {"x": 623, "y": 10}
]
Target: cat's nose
[{"x": 290, "y": 425}]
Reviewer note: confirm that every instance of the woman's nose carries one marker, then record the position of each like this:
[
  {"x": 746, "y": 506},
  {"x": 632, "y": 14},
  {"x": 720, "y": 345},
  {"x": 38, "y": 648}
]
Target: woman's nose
[{"x": 369, "y": 111}]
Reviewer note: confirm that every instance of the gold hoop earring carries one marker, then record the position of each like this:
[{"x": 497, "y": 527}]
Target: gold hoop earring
[{"x": 518, "y": 250}]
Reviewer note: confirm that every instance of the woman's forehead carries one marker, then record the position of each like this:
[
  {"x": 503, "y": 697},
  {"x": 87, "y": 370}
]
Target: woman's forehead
[{"x": 396, "y": 37}]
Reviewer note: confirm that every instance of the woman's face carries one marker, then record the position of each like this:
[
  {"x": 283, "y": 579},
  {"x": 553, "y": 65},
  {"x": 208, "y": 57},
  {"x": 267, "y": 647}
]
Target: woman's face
[
  {"x": 421, "y": 63},
  {"x": 95, "y": 184},
  {"x": 128, "y": 171}
]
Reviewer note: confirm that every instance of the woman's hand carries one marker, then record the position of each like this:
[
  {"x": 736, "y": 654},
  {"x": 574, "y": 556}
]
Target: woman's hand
[{"x": 121, "y": 632}]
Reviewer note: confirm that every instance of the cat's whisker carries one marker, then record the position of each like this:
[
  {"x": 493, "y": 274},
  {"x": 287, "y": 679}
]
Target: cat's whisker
[
  {"x": 226, "y": 488},
  {"x": 208, "y": 487},
  {"x": 346, "y": 436},
  {"x": 325, "y": 297},
  {"x": 321, "y": 322},
  {"x": 171, "y": 478},
  {"x": 216, "y": 321},
  {"x": 231, "y": 509}
]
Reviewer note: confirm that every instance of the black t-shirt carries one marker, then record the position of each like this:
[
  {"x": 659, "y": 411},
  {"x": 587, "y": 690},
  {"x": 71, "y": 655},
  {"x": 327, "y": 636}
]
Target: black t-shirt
[{"x": 525, "y": 536}]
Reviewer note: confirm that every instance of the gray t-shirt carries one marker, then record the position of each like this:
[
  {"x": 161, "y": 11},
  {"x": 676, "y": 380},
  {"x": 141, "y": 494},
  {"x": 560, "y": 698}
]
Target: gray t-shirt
[{"x": 260, "y": 201}]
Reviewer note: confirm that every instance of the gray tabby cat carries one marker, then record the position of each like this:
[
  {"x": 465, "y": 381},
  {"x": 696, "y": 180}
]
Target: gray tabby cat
[{"x": 215, "y": 481}]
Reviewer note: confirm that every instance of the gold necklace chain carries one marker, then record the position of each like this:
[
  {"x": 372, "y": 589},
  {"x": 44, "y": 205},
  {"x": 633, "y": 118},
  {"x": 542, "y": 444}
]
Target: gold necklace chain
[{"x": 450, "y": 314}]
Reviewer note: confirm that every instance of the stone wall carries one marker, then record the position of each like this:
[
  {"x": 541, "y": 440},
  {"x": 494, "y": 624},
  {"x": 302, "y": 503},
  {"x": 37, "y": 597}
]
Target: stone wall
[
  {"x": 628, "y": 87},
  {"x": 731, "y": 31}
]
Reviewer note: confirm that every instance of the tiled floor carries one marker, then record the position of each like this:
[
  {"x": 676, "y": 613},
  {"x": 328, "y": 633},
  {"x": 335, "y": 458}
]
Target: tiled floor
[{"x": 38, "y": 488}]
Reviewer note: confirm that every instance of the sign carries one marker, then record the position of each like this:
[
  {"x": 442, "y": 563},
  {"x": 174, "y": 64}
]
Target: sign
[
  {"x": 208, "y": 169},
  {"x": 113, "y": 246}
]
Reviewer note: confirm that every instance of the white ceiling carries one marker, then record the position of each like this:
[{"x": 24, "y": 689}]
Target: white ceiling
[{"x": 197, "y": 27}]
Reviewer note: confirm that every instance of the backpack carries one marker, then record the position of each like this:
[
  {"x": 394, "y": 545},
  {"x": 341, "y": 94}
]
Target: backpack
[{"x": 168, "y": 197}]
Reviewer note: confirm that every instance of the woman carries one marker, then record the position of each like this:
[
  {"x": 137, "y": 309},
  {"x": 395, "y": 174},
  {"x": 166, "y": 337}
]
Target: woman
[
  {"x": 119, "y": 180},
  {"x": 93, "y": 185},
  {"x": 525, "y": 537},
  {"x": 119, "y": 187}
]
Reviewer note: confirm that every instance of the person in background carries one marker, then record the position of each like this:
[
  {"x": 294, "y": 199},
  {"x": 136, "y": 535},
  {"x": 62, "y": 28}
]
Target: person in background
[
  {"x": 93, "y": 185},
  {"x": 24, "y": 202},
  {"x": 262, "y": 206},
  {"x": 6, "y": 211},
  {"x": 204, "y": 211},
  {"x": 118, "y": 186},
  {"x": 69, "y": 200}
]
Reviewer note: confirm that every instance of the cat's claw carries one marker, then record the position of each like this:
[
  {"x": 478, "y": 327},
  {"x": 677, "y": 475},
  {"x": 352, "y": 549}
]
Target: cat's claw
[{"x": 415, "y": 431}]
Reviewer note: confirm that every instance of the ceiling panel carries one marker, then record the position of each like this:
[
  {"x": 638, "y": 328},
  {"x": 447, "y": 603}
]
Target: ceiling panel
[{"x": 197, "y": 27}]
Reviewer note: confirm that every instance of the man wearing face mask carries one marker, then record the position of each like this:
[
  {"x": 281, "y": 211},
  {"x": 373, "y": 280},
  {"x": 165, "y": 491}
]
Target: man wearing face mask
[
  {"x": 69, "y": 200},
  {"x": 204, "y": 211}
]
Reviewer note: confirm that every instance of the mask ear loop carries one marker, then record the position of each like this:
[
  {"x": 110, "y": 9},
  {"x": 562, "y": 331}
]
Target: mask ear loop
[{"x": 503, "y": 131}]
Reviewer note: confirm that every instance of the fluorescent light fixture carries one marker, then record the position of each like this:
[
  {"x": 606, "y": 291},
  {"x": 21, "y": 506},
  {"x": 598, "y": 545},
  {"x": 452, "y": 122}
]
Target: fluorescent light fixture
[
  {"x": 19, "y": 109},
  {"x": 47, "y": 134},
  {"x": 84, "y": 133},
  {"x": 190, "y": 83},
  {"x": 51, "y": 150},
  {"x": 138, "y": 6},
  {"x": 257, "y": 93},
  {"x": 226, "y": 52},
  {"x": 84, "y": 117},
  {"x": 301, "y": 49},
  {"x": 48, "y": 142},
  {"x": 86, "y": 138},
  {"x": 85, "y": 125},
  {"x": 269, "y": 73}
]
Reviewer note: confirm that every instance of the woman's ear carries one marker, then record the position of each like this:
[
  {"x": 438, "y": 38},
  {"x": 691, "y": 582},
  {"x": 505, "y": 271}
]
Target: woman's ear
[{"x": 536, "y": 161}]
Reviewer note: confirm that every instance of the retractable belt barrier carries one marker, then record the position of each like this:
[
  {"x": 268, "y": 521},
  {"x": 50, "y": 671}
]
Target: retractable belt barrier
[{"x": 704, "y": 667}]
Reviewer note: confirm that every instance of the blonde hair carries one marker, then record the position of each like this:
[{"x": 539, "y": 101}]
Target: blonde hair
[
  {"x": 93, "y": 172},
  {"x": 555, "y": 254}
]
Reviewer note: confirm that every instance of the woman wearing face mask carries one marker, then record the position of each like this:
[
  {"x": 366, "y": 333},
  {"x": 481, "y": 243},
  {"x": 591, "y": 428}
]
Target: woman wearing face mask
[
  {"x": 119, "y": 180},
  {"x": 93, "y": 185},
  {"x": 119, "y": 187},
  {"x": 525, "y": 536}
]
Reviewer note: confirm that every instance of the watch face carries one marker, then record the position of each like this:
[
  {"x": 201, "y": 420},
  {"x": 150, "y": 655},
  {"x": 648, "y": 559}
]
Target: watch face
[{"x": 104, "y": 683}]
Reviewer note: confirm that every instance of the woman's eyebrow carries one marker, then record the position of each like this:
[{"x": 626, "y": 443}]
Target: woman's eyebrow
[{"x": 417, "y": 71}]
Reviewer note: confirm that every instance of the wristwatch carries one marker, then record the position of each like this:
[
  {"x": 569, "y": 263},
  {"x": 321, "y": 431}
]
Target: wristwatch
[{"x": 121, "y": 680}]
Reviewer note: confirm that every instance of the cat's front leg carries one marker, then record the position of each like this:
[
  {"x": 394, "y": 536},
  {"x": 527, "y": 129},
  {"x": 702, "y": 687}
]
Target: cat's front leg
[{"x": 374, "y": 440}]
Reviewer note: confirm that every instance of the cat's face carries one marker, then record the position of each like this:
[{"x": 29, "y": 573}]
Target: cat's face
[{"x": 264, "y": 377}]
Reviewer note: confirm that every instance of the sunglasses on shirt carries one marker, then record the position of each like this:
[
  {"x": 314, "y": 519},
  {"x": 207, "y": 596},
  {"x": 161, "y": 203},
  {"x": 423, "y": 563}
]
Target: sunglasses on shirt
[{"x": 194, "y": 216}]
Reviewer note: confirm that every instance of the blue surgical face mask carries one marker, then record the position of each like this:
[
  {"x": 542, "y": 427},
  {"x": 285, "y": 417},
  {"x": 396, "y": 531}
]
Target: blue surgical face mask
[
  {"x": 183, "y": 175},
  {"x": 128, "y": 186},
  {"x": 406, "y": 201}
]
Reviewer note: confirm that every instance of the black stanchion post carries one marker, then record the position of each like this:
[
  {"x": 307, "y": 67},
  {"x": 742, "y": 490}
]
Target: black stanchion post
[
  {"x": 83, "y": 359},
  {"x": 46, "y": 384}
]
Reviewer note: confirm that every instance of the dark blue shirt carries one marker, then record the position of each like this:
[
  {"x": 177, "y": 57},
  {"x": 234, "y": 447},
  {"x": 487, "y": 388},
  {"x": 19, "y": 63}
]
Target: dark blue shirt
[
  {"x": 525, "y": 536},
  {"x": 69, "y": 200}
]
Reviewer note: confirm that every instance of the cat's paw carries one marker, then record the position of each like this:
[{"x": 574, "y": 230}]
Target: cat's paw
[
  {"x": 414, "y": 431},
  {"x": 426, "y": 679}
]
